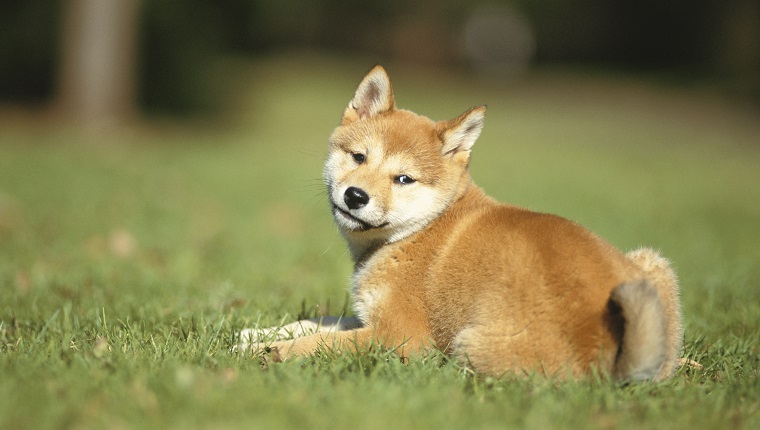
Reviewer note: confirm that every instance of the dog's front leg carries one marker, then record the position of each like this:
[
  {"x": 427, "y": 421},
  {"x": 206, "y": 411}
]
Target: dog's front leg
[
  {"x": 352, "y": 341},
  {"x": 349, "y": 340},
  {"x": 256, "y": 338}
]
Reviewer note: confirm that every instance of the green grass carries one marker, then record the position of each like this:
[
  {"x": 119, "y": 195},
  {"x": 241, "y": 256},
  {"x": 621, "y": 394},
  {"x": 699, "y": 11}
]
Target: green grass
[{"x": 129, "y": 258}]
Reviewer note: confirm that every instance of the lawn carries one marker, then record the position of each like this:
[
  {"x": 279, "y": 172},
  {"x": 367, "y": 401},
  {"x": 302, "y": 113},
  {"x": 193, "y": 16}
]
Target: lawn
[{"x": 130, "y": 257}]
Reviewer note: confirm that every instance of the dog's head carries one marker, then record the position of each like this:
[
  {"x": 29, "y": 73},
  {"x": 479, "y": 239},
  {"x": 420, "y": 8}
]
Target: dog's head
[{"x": 390, "y": 172}]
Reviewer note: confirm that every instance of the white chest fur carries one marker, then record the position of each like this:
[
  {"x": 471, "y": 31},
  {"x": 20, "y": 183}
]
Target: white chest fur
[
  {"x": 368, "y": 294},
  {"x": 367, "y": 298}
]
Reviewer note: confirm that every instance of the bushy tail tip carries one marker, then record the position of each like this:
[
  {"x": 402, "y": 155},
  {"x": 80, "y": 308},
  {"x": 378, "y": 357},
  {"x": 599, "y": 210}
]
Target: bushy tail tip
[{"x": 642, "y": 351}]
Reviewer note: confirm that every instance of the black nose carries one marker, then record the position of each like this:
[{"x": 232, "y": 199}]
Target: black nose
[{"x": 355, "y": 198}]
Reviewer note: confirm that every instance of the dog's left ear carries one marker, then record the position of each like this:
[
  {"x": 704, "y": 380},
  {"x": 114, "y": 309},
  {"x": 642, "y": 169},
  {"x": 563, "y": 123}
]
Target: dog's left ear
[
  {"x": 373, "y": 96},
  {"x": 459, "y": 134}
]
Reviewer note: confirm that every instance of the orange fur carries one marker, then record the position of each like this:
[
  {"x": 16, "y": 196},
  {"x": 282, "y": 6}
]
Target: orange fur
[{"x": 501, "y": 288}]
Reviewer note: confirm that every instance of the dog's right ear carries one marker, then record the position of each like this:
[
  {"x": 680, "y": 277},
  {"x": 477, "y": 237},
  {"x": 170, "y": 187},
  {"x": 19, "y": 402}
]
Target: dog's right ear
[{"x": 373, "y": 96}]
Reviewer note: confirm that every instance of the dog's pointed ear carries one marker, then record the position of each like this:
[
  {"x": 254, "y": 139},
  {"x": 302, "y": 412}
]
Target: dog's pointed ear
[
  {"x": 373, "y": 96},
  {"x": 459, "y": 134}
]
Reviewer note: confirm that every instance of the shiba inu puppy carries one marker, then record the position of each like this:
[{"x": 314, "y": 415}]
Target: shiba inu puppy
[{"x": 500, "y": 288}]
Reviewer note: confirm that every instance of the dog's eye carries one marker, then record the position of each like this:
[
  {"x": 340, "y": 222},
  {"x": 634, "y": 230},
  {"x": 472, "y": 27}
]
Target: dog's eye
[
  {"x": 405, "y": 180},
  {"x": 359, "y": 158}
]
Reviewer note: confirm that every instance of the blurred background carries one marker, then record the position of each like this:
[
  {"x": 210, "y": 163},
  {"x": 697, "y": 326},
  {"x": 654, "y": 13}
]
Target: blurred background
[{"x": 110, "y": 61}]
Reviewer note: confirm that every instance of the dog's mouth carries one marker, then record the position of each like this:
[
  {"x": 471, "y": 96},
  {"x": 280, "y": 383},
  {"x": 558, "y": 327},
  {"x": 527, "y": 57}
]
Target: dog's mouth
[{"x": 363, "y": 225}]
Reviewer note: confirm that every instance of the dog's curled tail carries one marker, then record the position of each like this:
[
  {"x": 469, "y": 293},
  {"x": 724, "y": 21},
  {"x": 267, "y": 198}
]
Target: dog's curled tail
[{"x": 643, "y": 348}]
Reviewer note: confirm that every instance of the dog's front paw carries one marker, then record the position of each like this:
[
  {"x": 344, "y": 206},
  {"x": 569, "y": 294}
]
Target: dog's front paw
[
  {"x": 259, "y": 343},
  {"x": 250, "y": 340}
]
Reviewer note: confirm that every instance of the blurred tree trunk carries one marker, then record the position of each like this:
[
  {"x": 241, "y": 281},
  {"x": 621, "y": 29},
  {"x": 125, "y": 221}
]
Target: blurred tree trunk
[{"x": 96, "y": 82}]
